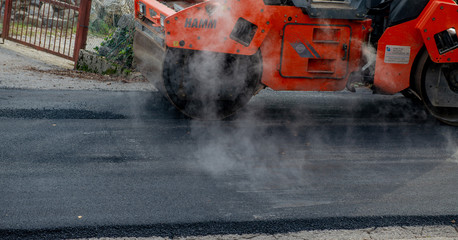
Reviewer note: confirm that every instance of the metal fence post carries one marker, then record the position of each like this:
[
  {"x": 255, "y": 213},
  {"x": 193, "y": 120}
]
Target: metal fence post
[
  {"x": 82, "y": 28},
  {"x": 6, "y": 19}
]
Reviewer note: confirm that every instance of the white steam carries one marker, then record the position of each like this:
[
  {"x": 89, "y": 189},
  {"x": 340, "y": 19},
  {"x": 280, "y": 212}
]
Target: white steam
[
  {"x": 452, "y": 145},
  {"x": 369, "y": 57}
]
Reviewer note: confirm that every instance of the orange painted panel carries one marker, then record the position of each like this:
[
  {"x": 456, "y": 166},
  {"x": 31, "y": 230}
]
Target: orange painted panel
[
  {"x": 439, "y": 16},
  {"x": 315, "y": 51},
  {"x": 396, "y": 54},
  {"x": 329, "y": 46},
  {"x": 208, "y": 26}
]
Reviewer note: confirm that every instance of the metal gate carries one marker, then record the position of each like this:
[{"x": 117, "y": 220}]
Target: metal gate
[
  {"x": 2, "y": 12},
  {"x": 55, "y": 26}
]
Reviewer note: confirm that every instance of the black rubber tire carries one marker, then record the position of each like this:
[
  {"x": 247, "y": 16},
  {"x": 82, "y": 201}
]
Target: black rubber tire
[
  {"x": 447, "y": 115},
  {"x": 209, "y": 85}
]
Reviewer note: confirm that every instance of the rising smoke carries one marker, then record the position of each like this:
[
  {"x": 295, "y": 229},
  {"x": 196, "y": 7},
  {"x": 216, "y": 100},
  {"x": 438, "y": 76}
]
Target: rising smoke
[
  {"x": 288, "y": 154},
  {"x": 297, "y": 144}
]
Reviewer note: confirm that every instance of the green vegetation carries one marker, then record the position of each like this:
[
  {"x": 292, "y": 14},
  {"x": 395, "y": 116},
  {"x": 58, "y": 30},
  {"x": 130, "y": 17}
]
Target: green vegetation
[
  {"x": 117, "y": 47},
  {"x": 83, "y": 67},
  {"x": 100, "y": 28},
  {"x": 110, "y": 71}
]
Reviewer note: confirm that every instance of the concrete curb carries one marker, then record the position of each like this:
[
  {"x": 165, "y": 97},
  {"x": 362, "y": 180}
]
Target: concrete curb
[{"x": 399, "y": 233}]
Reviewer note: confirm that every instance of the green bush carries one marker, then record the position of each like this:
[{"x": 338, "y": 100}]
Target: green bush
[
  {"x": 100, "y": 28},
  {"x": 120, "y": 47}
]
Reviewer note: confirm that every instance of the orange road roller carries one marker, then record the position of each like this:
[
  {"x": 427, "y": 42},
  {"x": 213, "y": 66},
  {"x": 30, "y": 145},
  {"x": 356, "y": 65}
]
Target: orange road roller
[{"x": 209, "y": 58}]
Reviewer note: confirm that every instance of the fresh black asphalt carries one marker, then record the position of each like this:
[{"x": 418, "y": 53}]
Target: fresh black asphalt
[{"x": 103, "y": 164}]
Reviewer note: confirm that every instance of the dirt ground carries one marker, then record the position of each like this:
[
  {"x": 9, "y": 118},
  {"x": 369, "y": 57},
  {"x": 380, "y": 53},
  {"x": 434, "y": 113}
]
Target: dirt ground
[{"x": 26, "y": 68}]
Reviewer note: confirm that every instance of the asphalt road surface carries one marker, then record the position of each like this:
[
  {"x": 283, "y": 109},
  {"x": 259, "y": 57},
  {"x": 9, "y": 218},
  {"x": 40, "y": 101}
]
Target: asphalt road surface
[{"x": 103, "y": 164}]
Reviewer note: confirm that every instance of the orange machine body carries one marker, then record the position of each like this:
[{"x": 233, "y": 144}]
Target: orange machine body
[
  {"x": 303, "y": 53},
  {"x": 393, "y": 70}
]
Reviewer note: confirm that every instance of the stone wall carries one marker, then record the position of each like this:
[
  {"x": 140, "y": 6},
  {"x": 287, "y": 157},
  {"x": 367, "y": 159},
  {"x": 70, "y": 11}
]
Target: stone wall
[
  {"x": 92, "y": 62},
  {"x": 38, "y": 13},
  {"x": 114, "y": 56},
  {"x": 42, "y": 14},
  {"x": 110, "y": 11}
]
